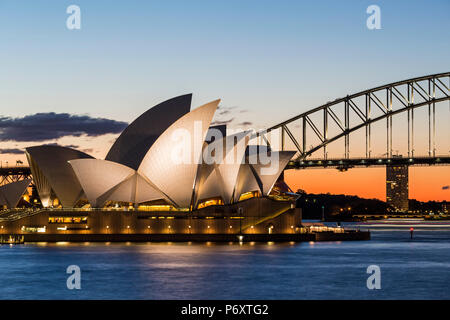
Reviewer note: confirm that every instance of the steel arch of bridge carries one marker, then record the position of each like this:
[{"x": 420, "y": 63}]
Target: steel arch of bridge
[
  {"x": 417, "y": 92},
  {"x": 14, "y": 174}
]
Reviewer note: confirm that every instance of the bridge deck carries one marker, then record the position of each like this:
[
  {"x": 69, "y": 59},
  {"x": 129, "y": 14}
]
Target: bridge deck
[
  {"x": 365, "y": 162},
  {"x": 10, "y": 171},
  {"x": 312, "y": 163}
]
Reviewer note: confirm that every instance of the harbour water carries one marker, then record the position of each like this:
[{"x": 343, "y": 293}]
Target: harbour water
[{"x": 410, "y": 269}]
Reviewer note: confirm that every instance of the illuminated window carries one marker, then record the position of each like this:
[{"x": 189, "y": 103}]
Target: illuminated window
[
  {"x": 249, "y": 195},
  {"x": 162, "y": 207},
  {"x": 55, "y": 202},
  {"x": 210, "y": 202},
  {"x": 33, "y": 229},
  {"x": 66, "y": 220}
]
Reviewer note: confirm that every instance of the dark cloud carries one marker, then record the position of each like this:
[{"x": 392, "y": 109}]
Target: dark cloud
[
  {"x": 230, "y": 112},
  {"x": 49, "y": 126},
  {"x": 20, "y": 151},
  {"x": 71, "y": 146},
  {"x": 224, "y": 112},
  {"x": 11, "y": 151},
  {"x": 220, "y": 122}
]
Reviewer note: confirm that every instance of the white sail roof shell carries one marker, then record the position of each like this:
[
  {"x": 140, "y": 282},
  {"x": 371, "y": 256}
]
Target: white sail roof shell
[
  {"x": 246, "y": 182},
  {"x": 11, "y": 193},
  {"x": 168, "y": 170},
  {"x": 131, "y": 146},
  {"x": 221, "y": 175},
  {"x": 104, "y": 181},
  {"x": 269, "y": 173},
  {"x": 50, "y": 168},
  {"x": 99, "y": 176},
  {"x": 209, "y": 185}
]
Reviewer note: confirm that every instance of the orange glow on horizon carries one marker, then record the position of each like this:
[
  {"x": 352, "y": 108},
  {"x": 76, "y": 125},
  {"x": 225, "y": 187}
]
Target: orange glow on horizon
[{"x": 425, "y": 183}]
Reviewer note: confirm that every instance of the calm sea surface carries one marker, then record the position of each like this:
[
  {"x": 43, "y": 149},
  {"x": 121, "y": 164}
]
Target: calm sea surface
[{"x": 410, "y": 269}]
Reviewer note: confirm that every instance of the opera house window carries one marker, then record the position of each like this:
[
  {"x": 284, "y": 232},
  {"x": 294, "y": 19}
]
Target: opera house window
[
  {"x": 249, "y": 195},
  {"x": 33, "y": 229},
  {"x": 211, "y": 202},
  {"x": 74, "y": 220}
]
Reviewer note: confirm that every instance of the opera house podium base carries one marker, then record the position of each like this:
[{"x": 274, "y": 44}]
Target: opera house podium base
[{"x": 253, "y": 220}]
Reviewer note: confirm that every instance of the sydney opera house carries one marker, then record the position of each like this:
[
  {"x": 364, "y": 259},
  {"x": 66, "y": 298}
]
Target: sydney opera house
[{"x": 169, "y": 172}]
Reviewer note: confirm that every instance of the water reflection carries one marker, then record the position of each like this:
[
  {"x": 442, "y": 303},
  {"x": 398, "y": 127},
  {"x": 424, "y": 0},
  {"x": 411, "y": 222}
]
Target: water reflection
[{"x": 325, "y": 270}]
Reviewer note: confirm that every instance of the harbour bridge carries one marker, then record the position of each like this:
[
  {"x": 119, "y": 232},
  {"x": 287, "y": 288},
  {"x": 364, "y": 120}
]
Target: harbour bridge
[
  {"x": 313, "y": 131},
  {"x": 337, "y": 123},
  {"x": 14, "y": 174}
]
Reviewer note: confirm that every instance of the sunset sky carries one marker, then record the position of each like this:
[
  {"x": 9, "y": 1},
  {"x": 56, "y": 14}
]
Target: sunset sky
[{"x": 266, "y": 60}]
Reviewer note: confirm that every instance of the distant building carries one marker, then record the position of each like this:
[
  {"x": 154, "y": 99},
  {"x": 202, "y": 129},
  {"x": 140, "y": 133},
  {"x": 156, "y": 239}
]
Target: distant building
[
  {"x": 397, "y": 187},
  {"x": 445, "y": 207}
]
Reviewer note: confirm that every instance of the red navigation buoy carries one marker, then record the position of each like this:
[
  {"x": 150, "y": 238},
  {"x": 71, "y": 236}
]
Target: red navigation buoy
[{"x": 411, "y": 230}]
